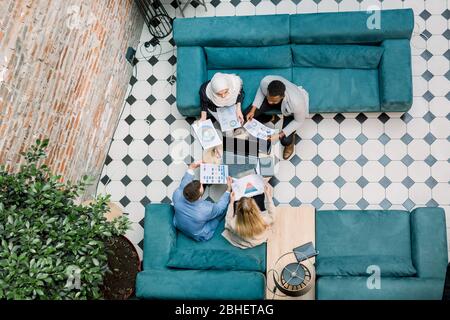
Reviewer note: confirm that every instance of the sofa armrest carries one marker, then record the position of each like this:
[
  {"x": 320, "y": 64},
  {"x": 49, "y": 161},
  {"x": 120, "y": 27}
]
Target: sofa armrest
[
  {"x": 429, "y": 242},
  {"x": 395, "y": 76},
  {"x": 191, "y": 74},
  {"x": 200, "y": 284},
  {"x": 159, "y": 235}
]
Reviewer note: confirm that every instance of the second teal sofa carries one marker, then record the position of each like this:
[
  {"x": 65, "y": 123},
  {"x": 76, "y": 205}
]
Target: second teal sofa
[{"x": 344, "y": 65}]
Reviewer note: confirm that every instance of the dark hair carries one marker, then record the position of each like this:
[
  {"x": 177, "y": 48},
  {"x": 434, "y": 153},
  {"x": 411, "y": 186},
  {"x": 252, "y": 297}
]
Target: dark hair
[
  {"x": 192, "y": 191},
  {"x": 276, "y": 88}
]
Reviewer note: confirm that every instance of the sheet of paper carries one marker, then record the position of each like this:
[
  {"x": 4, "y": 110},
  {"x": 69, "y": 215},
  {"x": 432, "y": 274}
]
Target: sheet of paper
[
  {"x": 227, "y": 118},
  {"x": 207, "y": 134},
  {"x": 248, "y": 186},
  {"x": 213, "y": 173},
  {"x": 258, "y": 130}
]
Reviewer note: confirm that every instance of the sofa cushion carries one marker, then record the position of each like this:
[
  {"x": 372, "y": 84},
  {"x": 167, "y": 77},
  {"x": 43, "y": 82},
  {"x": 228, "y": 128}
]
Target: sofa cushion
[
  {"x": 252, "y": 79},
  {"x": 390, "y": 266},
  {"x": 339, "y": 90},
  {"x": 337, "y": 56},
  {"x": 350, "y": 27},
  {"x": 216, "y": 253},
  {"x": 249, "y": 57},
  {"x": 239, "y": 31},
  {"x": 363, "y": 233}
]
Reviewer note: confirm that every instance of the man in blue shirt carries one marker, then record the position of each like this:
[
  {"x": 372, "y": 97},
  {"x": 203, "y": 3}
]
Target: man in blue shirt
[{"x": 195, "y": 217}]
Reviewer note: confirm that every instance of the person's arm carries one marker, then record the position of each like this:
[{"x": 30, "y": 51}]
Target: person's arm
[
  {"x": 203, "y": 102},
  {"x": 230, "y": 212},
  {"x": 189, "y": 175},
  {"x": 268, "y": 203},
  {"x": 300, "y": 99},
  {"x": 260, "y": 96},
  {"x": 220, "y": 207}
]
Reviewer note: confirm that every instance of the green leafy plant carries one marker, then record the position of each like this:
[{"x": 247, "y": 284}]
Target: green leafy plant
[{"x": 50, "y": 246}]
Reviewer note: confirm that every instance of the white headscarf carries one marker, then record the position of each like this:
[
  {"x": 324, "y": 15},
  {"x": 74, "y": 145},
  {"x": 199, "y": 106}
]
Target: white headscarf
[{"x": 221, "y": 81}]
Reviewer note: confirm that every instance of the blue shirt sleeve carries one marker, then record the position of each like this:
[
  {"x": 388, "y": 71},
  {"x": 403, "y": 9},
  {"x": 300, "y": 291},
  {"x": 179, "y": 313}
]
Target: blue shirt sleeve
[{"x": 221, "y": 206}]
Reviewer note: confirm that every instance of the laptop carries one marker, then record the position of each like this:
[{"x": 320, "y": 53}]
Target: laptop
[{"x": 241, "y": 156}]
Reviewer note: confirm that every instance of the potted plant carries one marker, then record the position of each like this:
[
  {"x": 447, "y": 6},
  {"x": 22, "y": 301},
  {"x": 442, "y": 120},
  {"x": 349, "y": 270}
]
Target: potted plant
[{"x": 51, "y": 247}]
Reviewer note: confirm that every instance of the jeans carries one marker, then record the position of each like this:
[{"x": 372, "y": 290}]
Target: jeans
[{"x": 263, "y": 118}]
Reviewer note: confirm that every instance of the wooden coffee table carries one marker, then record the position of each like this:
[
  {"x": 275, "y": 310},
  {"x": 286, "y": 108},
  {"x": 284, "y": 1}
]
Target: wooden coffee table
[{"x": 293, "y": 227}]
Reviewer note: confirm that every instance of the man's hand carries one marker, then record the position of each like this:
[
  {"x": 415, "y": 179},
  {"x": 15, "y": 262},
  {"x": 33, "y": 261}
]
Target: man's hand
[
  {"x": 251, "y": 113},
  {"x": 195, "y": 165},
  {"x": 229, "y": 182}
]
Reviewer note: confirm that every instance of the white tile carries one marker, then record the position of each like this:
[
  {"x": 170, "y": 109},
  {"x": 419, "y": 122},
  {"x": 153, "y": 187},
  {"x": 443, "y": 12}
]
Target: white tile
[
  {"x": 162, "y": 70},
  {"x": 125, "y": 111},
  {"x": 441, "y": 171},
  {"x": 328, "y": 171},
  {"x": 159, "y": 129},
  {"x": 438, "y": 65},
  {"x": 306, "y": 171},
  {"x": 418, "y": 128},
  {"x": 135, "y": 191},
  {"x": 225, "y": 9},
  {"x": 161, "y": 90},
  {"x": 417, "y": 6},
  {"x": 160, "y": 109},
  {"x": 419, "y": 149},
  {"x": 368, "y": 4},
  {"x": 436, "y": 6},
  {"x": 156, "y": 191},
  {"x": 328, "y": 149},
  {"x": 136, "y": 170},
  {"x": 139, "y": 129},
  {"x": 350, "y": 149},
  {"x": 374, "y": 193},
  {"x": 177, "y": 170},
  {"x": 135, "y": 211},
  {"x": 439, "y": 86},
  {"x": 284, "y": 192},
  {"x": 418, "y": 43},
  {"x": 349, "y": 5},
  {"x": 350, "y": 128},
  {"x": 138, "y": 149},
  {"x": 395, "y": 128},
  {"x": 122, "y": 130},
  {"x": 140, "y": 110},
  {"x": 209, "y": 12},
  {"x": 419, "y": 65},
  {"x": 157, "y": 170},
  {"x": 136, "y": 233},
  {"x": 116, "y": 189},
  {"x": 306, "y": 149},
  {"x": 308, "y": 129},
  {"x": 307, "y": 6},
  {"x": 373, "y": 149},
  {"x": 328, "y": 192},
  {"x": 440, "y": 106},
  {"x": 420, "y": 193},
  {"x": 418, "y": 108},
  {"x": 372, "y": 128},
  {"x": 328, "y": 206},
  {"x": 351, "y": 171},
  {"x": 285, "y": 170},
  {"x": 116, "y": 170},
  {"x": 328, "y": 128},
  {"x": 286, "y": 7},
  {"x": 396, "y": 171},
  {"x": 440, "y": 149},
  {"x": 327, "y": 6},
  {"x": 180, "y": 129},
  {"x": 437, "y": 44},
  {"x": 143, "y": 68},
  {"x": 179, "y": 150},
  {"x": 118, "y": 149},
  {"x": 245, "y": 9},
  {"x": 265, "y": 7},
  {"x": 306, "y": 192},
  {"x": 396, "y": 193},
  {"x": 436, "y": 24},
  {"x": 373, "y": 171},
  {"x": 172, "y": 188},
  {"x": 420, "y": 86},
  {"x": 419, "y": 171},
  {"x": 440, "y": 128},
  {"x": 441, "y": 193},
  {"x": 141, "y": 90},
  {"x": 158, "y": 150},
  {"x": 395, "y": 149},
  {"x": 392, "y": 4},
  {"x": 351, "y": 192}
]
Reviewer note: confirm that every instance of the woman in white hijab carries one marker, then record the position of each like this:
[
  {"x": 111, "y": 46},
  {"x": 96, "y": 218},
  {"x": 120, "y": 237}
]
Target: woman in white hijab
[{"x": 223, "y": 90}]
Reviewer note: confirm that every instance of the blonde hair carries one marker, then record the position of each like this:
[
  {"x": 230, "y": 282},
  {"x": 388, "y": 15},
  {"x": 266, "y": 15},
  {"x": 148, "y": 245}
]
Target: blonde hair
[{"x": 249, "y": 222}]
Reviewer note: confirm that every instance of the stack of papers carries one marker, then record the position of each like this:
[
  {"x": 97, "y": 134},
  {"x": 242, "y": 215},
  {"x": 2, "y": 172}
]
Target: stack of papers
[
  {"x": 227, "y": 118},
  {"x": 258, "y": 130},
  {"x": 213, "y": 173},
  {"x": 207, "y": 134}
]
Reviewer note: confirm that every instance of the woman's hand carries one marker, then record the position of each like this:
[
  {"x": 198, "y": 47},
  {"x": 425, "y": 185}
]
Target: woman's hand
[
  {"x": 203, "y": 116},
  {"x": 239, "y": 114},
  {"x": 229, "y": 183},
  {"x": 268, "y": 190},
  {"x": 232, "y": 197}
]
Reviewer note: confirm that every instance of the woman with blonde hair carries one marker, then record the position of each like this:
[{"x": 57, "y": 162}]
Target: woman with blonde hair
[{"x": 246, "y": 225}]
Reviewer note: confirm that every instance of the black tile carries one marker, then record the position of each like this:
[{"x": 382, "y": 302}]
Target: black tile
[
  {"x": 149, "y": 139},
  {"x": 128, "y": 139},
  {"x": 446, "y": 14},
  {"x": 171, "y": 99},
  {"x": 151, "y": 99},
  {"x": 127, "y": 160},
  {"x": 383, "y": 117},
  {"x": 150, "y": 119},
  {"x": 172, "y": 60},
  {"x": 145, "y": 201},
  {"x": 133, "y": 80},
  {"x": 168, "y": 139},
  {"x": 317, "y": 118},
  {"x": 167, "y": 180},
  {"x": 152, "y": 80},
  {"x": 170, "y": 119},
  {"x": 446, "y": 34},
  {"x": 215, "y": 3},
  {"x": 108, "y": 160},
  {"x": 147, "y": 160},
  {"x": 153, "y": 60},
  {"x": 174, "y": 4},
  {"x": 425, "y": 15},
  {"x": 235, "y": 2},
  {"x": 427, "y": 55},
  {"x": 125, "y": 180},
  {"x": 105, "y": 180},
  {"x": 339, "y": 118},
  {"x": 131, "y": 99},
  {"x": 130, "y": 119},
  {"x": 255, "y": 2},
  {"x": 146, "y": 181},
  {"x": 124, "y": 201},
  {"x": 168, "y": 160},
  {"x": 361, "y": 118},
  {"x": 194, "y": 4}
]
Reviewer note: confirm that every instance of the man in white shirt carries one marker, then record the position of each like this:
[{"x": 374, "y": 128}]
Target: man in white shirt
[{"x": 277, "y": 93}]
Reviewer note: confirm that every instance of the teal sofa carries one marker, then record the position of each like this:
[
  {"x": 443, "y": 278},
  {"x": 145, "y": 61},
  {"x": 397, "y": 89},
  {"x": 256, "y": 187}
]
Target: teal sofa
[
  {"x": 344, "y": 65},
  {"x": 409, "y": 248},
  {"x": 176, "y": 267}
]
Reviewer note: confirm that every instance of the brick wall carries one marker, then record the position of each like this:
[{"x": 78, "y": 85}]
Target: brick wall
[{"x": 63, "y": 75}]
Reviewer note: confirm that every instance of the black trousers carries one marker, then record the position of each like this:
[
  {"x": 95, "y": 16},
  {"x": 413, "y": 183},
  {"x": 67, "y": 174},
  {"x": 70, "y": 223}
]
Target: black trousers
[{"x": 263, "y": 118}]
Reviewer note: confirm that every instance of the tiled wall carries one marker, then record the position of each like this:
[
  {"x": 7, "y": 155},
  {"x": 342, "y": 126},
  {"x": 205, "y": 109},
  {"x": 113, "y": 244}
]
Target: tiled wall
[{"x": 63, "y": 75}]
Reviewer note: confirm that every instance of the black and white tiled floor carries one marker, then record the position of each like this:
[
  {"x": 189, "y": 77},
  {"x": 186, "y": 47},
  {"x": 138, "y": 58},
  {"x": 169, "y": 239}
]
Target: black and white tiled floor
[{"x": 343, "y": 161}]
